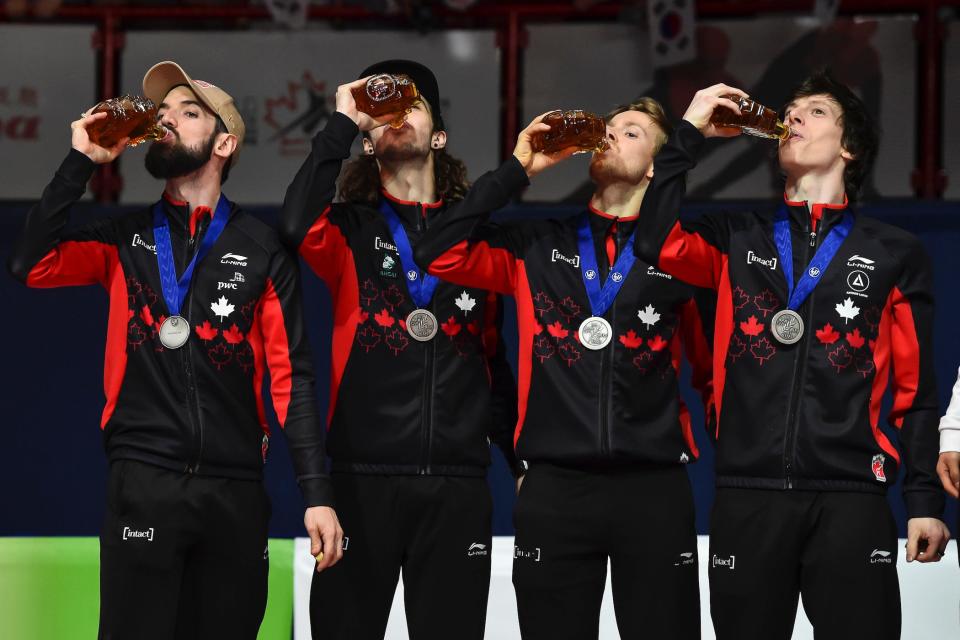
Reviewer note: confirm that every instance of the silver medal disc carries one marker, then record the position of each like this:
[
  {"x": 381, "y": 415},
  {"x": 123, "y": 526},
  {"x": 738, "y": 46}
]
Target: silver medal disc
[
  {"x": 595, "y": 333},
  {"x": 174, "y": 332},
  {"x": 422, "y": 325},
  {"x": 787, "y": 326}
]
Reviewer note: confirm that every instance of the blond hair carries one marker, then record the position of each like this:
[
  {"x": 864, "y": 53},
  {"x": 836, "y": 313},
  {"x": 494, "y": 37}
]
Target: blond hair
[{"x": 653, "y": 109}]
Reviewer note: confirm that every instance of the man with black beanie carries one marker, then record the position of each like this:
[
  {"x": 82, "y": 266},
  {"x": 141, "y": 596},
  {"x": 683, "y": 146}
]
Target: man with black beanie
[{"x": 419, "y": 384}]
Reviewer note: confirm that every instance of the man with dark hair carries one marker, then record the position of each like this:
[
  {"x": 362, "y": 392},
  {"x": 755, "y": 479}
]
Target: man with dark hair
[
  {"x": 603, "y": 433},
  {"x": 816, "y": 306},
  {"x": 204, "y": 300},
  {"x": 420, "y": 384}
]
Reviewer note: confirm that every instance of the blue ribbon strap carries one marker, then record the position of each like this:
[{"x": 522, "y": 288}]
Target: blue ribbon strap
[
  {"x": 601, "y": 297},
  {"x": 420, "y": 285},
  {"x": 175, "y": 289},
  {"x": 818, "y": 264}
]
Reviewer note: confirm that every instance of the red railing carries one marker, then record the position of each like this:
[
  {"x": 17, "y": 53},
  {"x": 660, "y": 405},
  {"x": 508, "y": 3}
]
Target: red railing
[{"x": 509, "y": 18}]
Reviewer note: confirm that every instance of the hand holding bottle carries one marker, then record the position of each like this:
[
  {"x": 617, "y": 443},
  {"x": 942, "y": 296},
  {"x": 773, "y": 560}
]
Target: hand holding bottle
[
  {"x": 703, "y": 105},
  {"x": 533, "y": 162},
  {"x": 82, "y": 143}
]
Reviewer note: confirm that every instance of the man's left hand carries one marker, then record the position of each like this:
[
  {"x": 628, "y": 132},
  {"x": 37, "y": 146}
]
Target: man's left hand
[
  {"x": 929, "y": 530},
  {"x": 326, "y": 536}
]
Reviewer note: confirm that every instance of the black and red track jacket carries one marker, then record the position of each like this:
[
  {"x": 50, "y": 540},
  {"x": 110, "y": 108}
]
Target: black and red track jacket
[
  {"x": 397, "y": 405},
  {"x": 617, "y": 406},
  {"x": 197, "y": 409},
  {"x": 805, "y": 416}
]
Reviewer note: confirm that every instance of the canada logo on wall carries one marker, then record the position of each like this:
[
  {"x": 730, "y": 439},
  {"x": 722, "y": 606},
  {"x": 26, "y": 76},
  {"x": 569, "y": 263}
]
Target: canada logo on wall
[{"x": 292, "y": 118}]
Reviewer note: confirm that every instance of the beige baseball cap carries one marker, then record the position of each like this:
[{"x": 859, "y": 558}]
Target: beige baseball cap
[{"x": 164, "y": 76}]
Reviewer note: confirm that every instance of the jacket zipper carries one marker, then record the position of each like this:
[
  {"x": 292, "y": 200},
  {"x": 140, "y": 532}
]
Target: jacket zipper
[
  {"x": 606, "y": 366},
  {"x": 193, "y": 399},
  {"x": 429, "y": 365},
  {"x": 799, "y": 369}
]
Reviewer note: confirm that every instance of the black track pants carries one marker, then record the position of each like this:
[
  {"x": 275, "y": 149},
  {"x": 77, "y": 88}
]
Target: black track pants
[
  {"x": 569, "y": 522},
  {"x": 838, "y": 550},
  {"x": 435, "y": 529},
  {"x": 182, "y": 556}
]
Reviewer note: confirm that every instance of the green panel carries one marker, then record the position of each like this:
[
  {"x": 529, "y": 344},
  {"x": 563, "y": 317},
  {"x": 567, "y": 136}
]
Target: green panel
[{"x": 49, "y": 589}]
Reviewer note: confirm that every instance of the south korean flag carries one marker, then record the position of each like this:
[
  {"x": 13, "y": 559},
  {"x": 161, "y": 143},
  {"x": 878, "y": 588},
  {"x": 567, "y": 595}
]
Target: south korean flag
[{"x": 672, "y": 29}]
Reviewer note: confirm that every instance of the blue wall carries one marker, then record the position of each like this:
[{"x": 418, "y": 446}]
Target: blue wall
[{"x": 53, "y": 472}]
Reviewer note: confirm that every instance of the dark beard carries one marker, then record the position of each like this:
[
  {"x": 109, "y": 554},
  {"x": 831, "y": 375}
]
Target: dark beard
[{"x": 175, "y": 160}]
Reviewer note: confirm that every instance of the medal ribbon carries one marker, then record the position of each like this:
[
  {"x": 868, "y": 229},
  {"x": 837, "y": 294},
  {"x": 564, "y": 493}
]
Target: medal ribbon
[
  {"x": 174, "y": 289},
  {"x": 601, "y": 298},
  {"x": 420, "y": 285},
  {"x": 818, "y": 264}
]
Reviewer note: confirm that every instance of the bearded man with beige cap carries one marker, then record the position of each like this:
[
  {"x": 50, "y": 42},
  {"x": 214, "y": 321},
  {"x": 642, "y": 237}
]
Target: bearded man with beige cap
[{"x": 203, "y": 302}]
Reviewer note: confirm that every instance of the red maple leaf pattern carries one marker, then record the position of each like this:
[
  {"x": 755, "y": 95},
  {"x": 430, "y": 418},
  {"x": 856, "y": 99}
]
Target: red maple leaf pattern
[
  {"x": 542, "y": 303},
  {"x": 542, "y": 348},
  {"x": 146, "y": 316},
  {"x": 827, "y": 335},
  {"x": 205, "y": 331},
  {"x": 220, "y": 356},
  {"x": 364, "y": 316},
  {"x": 129, "y": 314},
  {"x": 135, "y": 335},
  {"x": 865, "y": 365},
  {"x": 854, "y": 339},
  {"x": 473, "y": 328},
  {"x": 368, "y": 338},
  {"x": 392, "y": 296},
  {"x": 766, "y": 302},
  {"x": 740, "y": 298},
  {"x": 840, "y": 358},
  {"x": 873, "y": 345},
  {"x": 537, "y": 328},
  {"x": 233, "y": 335},
  {"x": 368, "y": 291},
  {"x": 569, "y": 353},
  {"x": 643, "y": 361},
  {"x": 384, "y": 319},
  {"x": 656, "y": 343},
  {"x": 557, "y": 330},
  {"x": 397, "y": 341},
  {"x": 751, "y": 327},
  {"x": 246, "y": 310},
  {"x": 736, "y": 348},
  {"x": 244, "y": 357},
  {"x": 631, "y": 340},
  {"x": 451, "y": 327},
  {"x": 762, "y": 350},
  {"x": 569, "y": 309}
]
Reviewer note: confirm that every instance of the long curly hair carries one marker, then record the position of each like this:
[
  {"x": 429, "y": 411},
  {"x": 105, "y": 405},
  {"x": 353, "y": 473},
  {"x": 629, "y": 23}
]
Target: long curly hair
[{"x": 360, "y": 180}]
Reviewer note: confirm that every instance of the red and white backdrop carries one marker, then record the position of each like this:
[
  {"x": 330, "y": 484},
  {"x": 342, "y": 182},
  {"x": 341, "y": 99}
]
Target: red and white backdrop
[{"x": 47, "y": 78}]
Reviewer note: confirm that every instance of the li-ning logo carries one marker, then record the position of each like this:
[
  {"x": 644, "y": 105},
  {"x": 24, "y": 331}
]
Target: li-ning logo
[
  {"x": 660, "y": 274},
  {"x": 380, "y": 244},
  {"x": 770, "y": 263},
  {"x": 861, "y": 262},
  {"x": 880, "y": 557},
  {"x": 723, "y": 563},
  {"x": 139, "y": 242},
  {"x": 234, "y": 259},
  {"x": 556, "y": 255},
  {"x": 477, "y": 549},
  {"x": 685, "y": 558},
  {"x": 526, "y": 555},
  {"x": 131, "y": 534}
]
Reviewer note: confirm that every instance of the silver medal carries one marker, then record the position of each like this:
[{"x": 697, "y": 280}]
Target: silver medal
[
  {"x": 595, "y": 333},
  {"x": 787, "y": 326},
  {"x": 174, "y": 332},
  {"x": 422, "y": 325}
]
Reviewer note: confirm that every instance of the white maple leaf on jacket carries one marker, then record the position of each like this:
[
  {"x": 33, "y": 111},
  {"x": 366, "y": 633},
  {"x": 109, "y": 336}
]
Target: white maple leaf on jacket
[
  {"x": 222, "y": 308},
  {"x": 648, "y": 316},
  {"x": 465, "y": 302}
]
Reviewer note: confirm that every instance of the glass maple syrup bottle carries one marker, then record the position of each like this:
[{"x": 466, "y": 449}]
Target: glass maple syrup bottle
[
  {"x": 754, "y": 119},
  {"x": 575, "y": 128},
  {"x": 127, "y": 116},
  {"x": 385, "y": 93}
]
